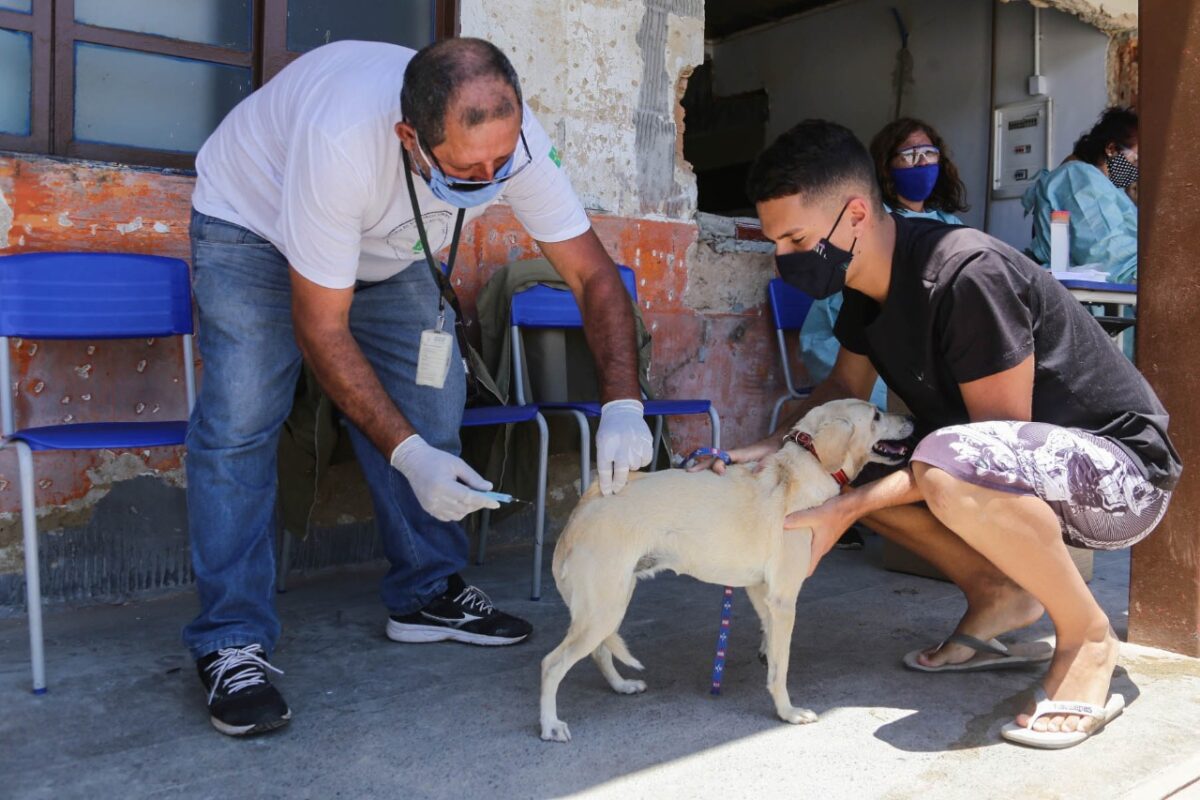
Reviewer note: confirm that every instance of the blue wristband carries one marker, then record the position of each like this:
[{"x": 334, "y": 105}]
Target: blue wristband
[{"x": 700, "y": 452}]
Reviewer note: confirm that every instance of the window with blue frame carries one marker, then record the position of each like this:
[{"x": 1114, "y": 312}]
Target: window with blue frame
[{"x": 146, "y": 81}]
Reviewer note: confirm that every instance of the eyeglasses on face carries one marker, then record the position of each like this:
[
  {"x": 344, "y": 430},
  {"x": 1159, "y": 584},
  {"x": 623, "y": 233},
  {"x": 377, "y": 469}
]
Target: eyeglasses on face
[
  {"x": 920, "y": 154},
  {"x": 464, "y": 185}
]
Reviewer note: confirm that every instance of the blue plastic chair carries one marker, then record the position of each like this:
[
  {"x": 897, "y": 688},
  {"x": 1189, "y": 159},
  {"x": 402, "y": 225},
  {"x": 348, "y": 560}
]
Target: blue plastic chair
[
  {"x": 547, "y": 307},
  {"x": 85, "y": 296},
  {"x": 511, "y": 415},
  {"x": 789, "y": 307}
]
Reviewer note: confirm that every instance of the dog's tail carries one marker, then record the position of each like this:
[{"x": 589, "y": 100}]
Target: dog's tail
[{"x": 620, "y": 651}]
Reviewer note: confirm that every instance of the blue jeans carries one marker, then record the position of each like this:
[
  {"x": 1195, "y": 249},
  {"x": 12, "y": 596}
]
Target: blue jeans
[{"x": 251, "y": 364}]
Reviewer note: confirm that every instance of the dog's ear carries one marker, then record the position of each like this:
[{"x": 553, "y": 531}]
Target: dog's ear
[{"x": 832, "y": 440}]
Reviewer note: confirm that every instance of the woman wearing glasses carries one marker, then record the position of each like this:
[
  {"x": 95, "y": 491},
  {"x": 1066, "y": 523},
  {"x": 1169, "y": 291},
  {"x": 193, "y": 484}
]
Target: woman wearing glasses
[
  {"x": 1091, "y": 184},
  {"x": 915, "y": 172}
]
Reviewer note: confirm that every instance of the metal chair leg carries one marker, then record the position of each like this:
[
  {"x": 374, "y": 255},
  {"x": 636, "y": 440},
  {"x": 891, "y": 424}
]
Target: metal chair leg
[
  {"x": 485, "y": 522},
  {"x": 539, "y": 529},
  {"x": 775, "y": 412},
  {"x": 284, "y": 562},
  {"x": 658, "y": 426},
  {"x": 716, "y": 427},
  {"x": 33, "y": 575},
  {"x": 585, "y": 452}
]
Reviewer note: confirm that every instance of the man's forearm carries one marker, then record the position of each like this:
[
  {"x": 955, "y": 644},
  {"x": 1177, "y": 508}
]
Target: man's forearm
[
  {"x": 896, "y": 489},
  {"x": 351, "y": 383},
  {"x": 607, "y": 317},
  {"x": 611, "y": 335}
]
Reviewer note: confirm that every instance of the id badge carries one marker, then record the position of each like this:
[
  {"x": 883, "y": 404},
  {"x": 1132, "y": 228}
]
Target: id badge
[{"x": 433, "y": 362}]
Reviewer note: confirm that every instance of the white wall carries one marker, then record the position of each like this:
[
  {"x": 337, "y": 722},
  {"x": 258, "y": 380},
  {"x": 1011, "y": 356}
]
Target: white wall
[
  {"x": 1074, "y": 63},
  {"x": 837, "y": 63}
]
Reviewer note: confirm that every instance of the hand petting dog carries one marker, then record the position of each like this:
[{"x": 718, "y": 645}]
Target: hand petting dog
[{"x": 828, "y": 522}]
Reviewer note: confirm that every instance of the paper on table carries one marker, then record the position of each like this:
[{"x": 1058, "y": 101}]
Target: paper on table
[{"x": 1084, "y": 272}]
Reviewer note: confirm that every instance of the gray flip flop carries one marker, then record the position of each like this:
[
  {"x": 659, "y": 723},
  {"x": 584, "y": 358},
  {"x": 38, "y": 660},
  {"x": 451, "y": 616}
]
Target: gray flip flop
[{"x": 991, "y": 654}]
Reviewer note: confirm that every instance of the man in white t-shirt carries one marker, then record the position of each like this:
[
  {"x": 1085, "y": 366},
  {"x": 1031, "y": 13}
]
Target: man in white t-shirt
[{"x": 317, "y": 202}]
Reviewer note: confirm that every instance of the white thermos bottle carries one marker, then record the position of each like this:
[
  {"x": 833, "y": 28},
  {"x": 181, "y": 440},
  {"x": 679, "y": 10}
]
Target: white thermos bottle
[{"x": 1060, "y": 240}]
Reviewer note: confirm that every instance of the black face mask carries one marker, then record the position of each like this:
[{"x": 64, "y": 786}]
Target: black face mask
[
  {"x": 820, "y": 272},
  {"x": 1120, "y": 171}
]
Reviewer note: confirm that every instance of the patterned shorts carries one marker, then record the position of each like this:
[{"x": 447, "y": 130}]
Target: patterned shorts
[{"x": 1098, "y": 491}]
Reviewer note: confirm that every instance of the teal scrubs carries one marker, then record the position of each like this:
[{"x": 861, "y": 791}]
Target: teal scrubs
[
  {"x": 819, "y": 347},
  {"x": 1103, "y": 219}
]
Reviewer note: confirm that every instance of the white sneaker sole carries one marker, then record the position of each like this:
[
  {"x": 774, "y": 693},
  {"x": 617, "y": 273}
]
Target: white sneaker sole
[
  {"x": 422, "y": 634},
  {"x": 247, "y": 730}
]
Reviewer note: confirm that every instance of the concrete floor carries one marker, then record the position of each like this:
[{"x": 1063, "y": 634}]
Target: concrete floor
[{"x": 125, "y": 716}]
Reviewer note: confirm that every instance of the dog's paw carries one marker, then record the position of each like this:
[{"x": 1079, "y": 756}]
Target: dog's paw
[
  {"x": 629, "y": 687},
  {"x": 797, "y": 716},
  {"x": 556, "y": 731}
]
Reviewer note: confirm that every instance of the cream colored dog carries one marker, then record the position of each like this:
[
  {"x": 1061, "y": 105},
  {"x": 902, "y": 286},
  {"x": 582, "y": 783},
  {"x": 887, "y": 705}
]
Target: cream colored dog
[{"x": 726, "y": 530}]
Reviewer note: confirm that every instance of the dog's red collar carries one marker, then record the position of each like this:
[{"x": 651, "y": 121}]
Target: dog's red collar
[{"x": 805, "y": 441}]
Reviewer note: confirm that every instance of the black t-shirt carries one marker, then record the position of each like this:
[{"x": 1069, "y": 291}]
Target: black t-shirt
[{"x": 963, "y": 305}]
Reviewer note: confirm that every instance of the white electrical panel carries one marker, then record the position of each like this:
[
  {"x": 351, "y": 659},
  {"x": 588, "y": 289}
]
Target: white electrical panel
[{"x": 1022, "y": 146}]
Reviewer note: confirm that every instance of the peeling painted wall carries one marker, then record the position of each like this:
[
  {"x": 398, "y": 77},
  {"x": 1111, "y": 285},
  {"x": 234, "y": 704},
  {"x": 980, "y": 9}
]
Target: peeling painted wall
[
  {"x": 1111, "y": 16},
  {"x": 59, "y": 205},
  {"x": 6, "y": 220},
  {"x": 707, "y": 313},
  {"x": 603, "y": 77},
  {"x": 1123, "y": 86}
]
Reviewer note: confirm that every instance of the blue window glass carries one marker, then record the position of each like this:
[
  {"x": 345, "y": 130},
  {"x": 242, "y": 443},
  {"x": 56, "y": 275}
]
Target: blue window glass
[
  {"x": 23, "y": 6},
  {"x": 16, "y": 74},
  {"x": 138, "y": 99},
  {"x": 225, "y": 23},
  {"x": 312, "y": 23}
]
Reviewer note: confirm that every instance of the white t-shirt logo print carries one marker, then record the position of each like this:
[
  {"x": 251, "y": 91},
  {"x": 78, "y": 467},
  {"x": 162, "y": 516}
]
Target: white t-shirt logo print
[{"x": 405, "y": 240}]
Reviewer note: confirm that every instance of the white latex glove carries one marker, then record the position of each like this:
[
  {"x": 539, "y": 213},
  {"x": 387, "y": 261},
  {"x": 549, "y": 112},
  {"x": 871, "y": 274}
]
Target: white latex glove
[
  {"x": 434, "y": 476},
  {"x": 623, "y": 442}
]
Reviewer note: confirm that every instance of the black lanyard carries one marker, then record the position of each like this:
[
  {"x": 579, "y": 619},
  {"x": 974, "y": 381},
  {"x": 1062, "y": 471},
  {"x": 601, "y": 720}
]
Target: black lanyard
[{"x": 442, "y": 279}]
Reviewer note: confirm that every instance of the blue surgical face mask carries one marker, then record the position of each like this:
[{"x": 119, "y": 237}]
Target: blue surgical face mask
[
  {"x": 915, "y": 183},
  {"x": 440, "y": 184},
  {"x": 460, "y": 198}
]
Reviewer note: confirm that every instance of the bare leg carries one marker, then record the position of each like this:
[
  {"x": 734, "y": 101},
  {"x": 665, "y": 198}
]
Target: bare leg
[
  {"x": 1021, "y": 535},
  {"x": 995, "y": 604}
]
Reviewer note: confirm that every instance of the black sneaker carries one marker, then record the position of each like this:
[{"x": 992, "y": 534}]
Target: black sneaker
[
  {"x": 241, "y": 699},
  {"x": 461, "y": 614}
]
